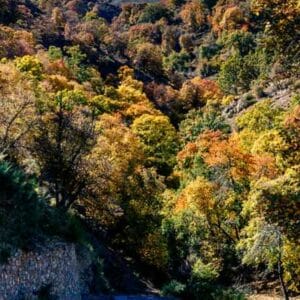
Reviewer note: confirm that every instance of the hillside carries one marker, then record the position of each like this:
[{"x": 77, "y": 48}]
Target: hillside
[{"x": 159, "y": 138}]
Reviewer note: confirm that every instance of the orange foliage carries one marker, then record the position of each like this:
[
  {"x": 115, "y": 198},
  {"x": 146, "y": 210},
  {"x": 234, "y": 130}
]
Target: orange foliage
[
  {"x": 200, "y": 91},
  {"x": 188, "y": 151},
  {"x": 15, "y": 42},
  {"x": 146, "y": 31},
  {"x": 265, "y": 166},
  {"x": 222, "y": 152},
  {"x": 208, "y": 89},
  {"x": 181, "y": 204},
  {"x": 193, "y": 14},
  {"x": 229, "y": 17},
  {"x": 198, "y": 194}
]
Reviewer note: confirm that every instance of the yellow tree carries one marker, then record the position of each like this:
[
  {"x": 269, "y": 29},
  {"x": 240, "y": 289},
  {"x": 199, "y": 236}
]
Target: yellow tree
[
  {"x": 159, "y": 140},
  {"x": 17, "y": 109},
  {"x": 123, "y": 194},
  {"x": 281, "y": 20}
]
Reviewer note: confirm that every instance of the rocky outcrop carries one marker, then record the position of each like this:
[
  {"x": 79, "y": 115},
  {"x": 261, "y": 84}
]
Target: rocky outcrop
[
  {"x": 280, "y": 93},
  {"x": 52, "y": 270}
]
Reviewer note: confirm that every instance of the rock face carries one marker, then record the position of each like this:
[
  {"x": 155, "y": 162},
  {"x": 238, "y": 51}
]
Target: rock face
[{"x": 52, "y": 269}]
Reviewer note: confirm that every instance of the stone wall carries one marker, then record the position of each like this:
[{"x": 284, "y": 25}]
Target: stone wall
[{"x": 54, "y": 266}]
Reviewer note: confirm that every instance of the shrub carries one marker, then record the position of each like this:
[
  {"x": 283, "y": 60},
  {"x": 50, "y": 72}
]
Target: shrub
[
  {"x": 154, "y": 12},
  {"x": 240, "y": 41},
  {"x": 209, "y": 51},
  {"x": 228, "y": 294},
  {"x": 173, "y": 288},
  {"x": 177, "y": 61},
  {"x": 30, "y": 65},
  {"x": 55, "y": 53}
]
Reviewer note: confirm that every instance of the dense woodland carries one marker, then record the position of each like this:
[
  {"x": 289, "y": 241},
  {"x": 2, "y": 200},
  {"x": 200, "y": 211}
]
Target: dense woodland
[{"x": 169, "y": 132}]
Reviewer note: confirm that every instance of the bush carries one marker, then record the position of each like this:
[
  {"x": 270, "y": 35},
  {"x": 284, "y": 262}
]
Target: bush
[
  {"x": 209, "y": 51},
  {"x": 177, "y": 61},
  {"x": 30, "y": 65},
  {"x": 173, "y": 288},
  {"x": 240, "y": 41},
  {"x": 154, "y": 12},
  {"x": 203, "y": 279},
  {"x": 228, "y": 294}
]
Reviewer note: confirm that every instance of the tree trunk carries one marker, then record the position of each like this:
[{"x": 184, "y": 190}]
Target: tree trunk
[
  {"x": 282, "y": 284},
  {"x": 280, "y": 270}
]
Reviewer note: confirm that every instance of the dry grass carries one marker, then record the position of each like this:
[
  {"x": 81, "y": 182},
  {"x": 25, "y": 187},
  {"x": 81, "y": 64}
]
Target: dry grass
[{"x": 269, "y": 297}]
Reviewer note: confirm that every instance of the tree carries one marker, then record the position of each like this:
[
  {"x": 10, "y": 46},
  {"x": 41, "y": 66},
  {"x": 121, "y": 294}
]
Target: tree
[
  {"x": 58, "y": 19},
  {"x": 75, "y": 62},
  {"x": 238, "y": 72},
  {"x": 278, "y": 199},
  {"x": 198, "y": 92},
  {"x": 30, "y": 65},
  {"x": 260, "y": 128},
  {"x": 159, "y": 140},
  {"x": 281, "y": 17},
  {"x": 154, "y": 12},
  {"x": 193, "y": 14},
  {"x": 123, "y": 194},
  {"x": 15, "y": 42},
  {"x": 291, "y": 134},
  {"x": 262, "y": 116},
  {"x": 127, "y": 99},
  {"x": 230, "y": 16},
  {"x": 177, "y": 61},
  {"x": 148, "y": 59},
  {"x": 198, "y": 121},
  {"x": 238, "y": 41},
  {"x": 115, "y": 157},
  {"x": 17, "y": 111},
  {"x": 273, "y": 228},
  {"x": 267, "y": 247},
  {"x": 8, "y": 11},
  {"x": 64, "y": 135}
]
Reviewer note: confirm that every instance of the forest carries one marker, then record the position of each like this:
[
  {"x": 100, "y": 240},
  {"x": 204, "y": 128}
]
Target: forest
[{"x": 167, "y": 131}]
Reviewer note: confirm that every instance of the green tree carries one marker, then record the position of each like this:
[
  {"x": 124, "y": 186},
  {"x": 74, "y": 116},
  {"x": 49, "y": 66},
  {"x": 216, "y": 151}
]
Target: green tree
[
  {"x": 154, "y": 12},
  {"x": 177, "y": 61},
  {"x": 197, "y": 121},
  {"x": 75, "y": 61},
  {"x": 238, "y": 72}
]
